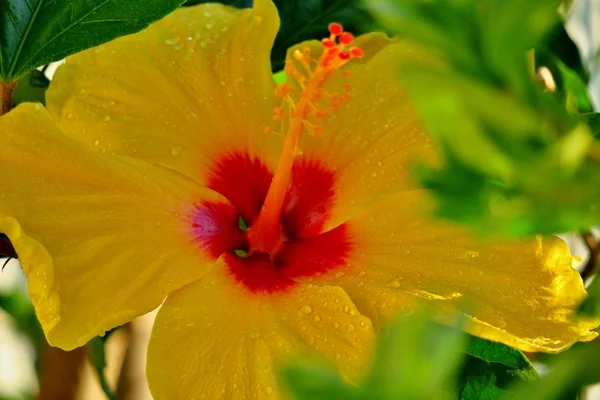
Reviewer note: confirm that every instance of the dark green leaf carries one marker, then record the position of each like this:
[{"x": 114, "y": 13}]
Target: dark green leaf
[
  {"x": 31, "y": 88},
  {"x": 498, "y": 353},
  {"x": 36, "y": 32},
  {"x": 308, "y": 19},
  {"x": 593, "y": 121},
  {"x": 491, "y": 369},
  {"x": 96, "y": 349},
  {"x": 231, "y": 3},
  {"x": 488, "y": 381}
]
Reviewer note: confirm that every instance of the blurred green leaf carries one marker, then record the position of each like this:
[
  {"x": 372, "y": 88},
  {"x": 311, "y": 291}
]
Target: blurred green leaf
[
  {"x": 31, "y": 88},
  {"x": 593, "y": 121},
  {"x": 415, "y": 359},
  {"x": 500, "y": 133},
  {"x": 575, "y": 89},
  {"x": 591, "y": 305},
  {"x": 96, "y": 349},
  {"x": 316, "y": 381},
  {"x": 37, "y": 32},
  {"x": 566, "y": 374}
]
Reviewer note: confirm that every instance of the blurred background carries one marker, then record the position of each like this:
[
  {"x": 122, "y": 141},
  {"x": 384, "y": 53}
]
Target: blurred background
[{"x": 113, "y": 366}]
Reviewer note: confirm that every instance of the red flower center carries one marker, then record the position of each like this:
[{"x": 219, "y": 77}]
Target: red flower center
[{"x": 304, "y": 249}]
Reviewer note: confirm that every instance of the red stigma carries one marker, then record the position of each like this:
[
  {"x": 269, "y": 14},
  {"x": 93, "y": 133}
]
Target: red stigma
[
  {"x": 344, "y": 55},
  {"x": 335, "y": 29},
  {"x": 357, "y": 52},
  {"x": 328, "y": 42},
  {"x": 346, "y": 38}
]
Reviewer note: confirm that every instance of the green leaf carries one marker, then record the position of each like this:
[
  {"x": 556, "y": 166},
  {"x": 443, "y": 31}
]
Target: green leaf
[
  {"x": 416, "y": 359},
  {"x": 592, "y": 120},
  {"x": 31, "y": 88},
  {"x": 96, "y": 349},
  {"x": 574, "y": 88},
  {"x": 498, "y": 353},
  {"x": 492, "y": 369},
  {"x": 566, "y": 375},
  {"x": 231, "y": 3},
  {"x": 37, "y": 32},
  {"x": 500, "y": 133},
  {"x": 308, "y": 19},
  {"x": 317, "y": 381}
]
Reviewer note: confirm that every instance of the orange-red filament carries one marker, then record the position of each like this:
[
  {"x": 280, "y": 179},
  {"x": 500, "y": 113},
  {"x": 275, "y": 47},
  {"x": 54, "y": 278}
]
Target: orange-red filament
[{"x": 314, "y": 104}]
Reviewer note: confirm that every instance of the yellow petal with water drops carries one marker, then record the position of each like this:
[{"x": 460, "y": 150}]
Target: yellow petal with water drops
[
  {"x": 181, "y": 93},
  {"x": 520, "y": 293},
  {"x": 102, "y": 239},
  {"x": 215, "y": 340},
  {"x": 369, "y": 132}
]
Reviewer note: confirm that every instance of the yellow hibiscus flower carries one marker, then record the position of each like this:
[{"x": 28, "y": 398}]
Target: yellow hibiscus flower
[{"x": 157, "y": 148}]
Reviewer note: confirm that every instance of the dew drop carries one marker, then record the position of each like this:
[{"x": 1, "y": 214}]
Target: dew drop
[
  {"x": 176, "y": 150},
  {"x": 350, "y": 327},
  {"x": 393, "y": 284},
  {"x": 305, "y": 310},
  {"x": 316, "y": 318},
  {"x": 106, "y": 118},
  {"x": 336, "y": 325},
  {"x": 96, "y": 143},
  {"x": 269, "y": 390},
  {"x": 172, "y": 41}
]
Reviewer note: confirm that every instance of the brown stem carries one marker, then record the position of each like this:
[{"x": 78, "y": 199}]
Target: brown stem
[
  {"x": 594, "y": 249},
  {"x": 60, "y": 374},
  {"x": 6, "y": 96}
]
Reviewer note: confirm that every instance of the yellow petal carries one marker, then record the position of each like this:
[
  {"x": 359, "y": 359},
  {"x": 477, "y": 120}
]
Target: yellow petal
[
  {"x": 376, "y": 136},
  {"x": 520, "y": 293},
  {"x": 99, "y": 237},
  {"x": 190, "y": 88},
  {"x": 213, "y": 339}
]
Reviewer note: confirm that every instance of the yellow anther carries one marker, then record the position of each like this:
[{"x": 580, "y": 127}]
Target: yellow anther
[{"x": 298, "y": 55}]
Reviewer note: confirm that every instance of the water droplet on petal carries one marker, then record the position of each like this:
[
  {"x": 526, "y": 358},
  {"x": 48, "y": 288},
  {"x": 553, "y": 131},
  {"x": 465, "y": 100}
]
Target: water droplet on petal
[
  {"x": 305, "y": 310},
  {"x": 172, "y": 41},
  {"x": 176, "y": 150},
  {"x": 393, "y": 284},
  {"x": 350, "y": 327}
]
